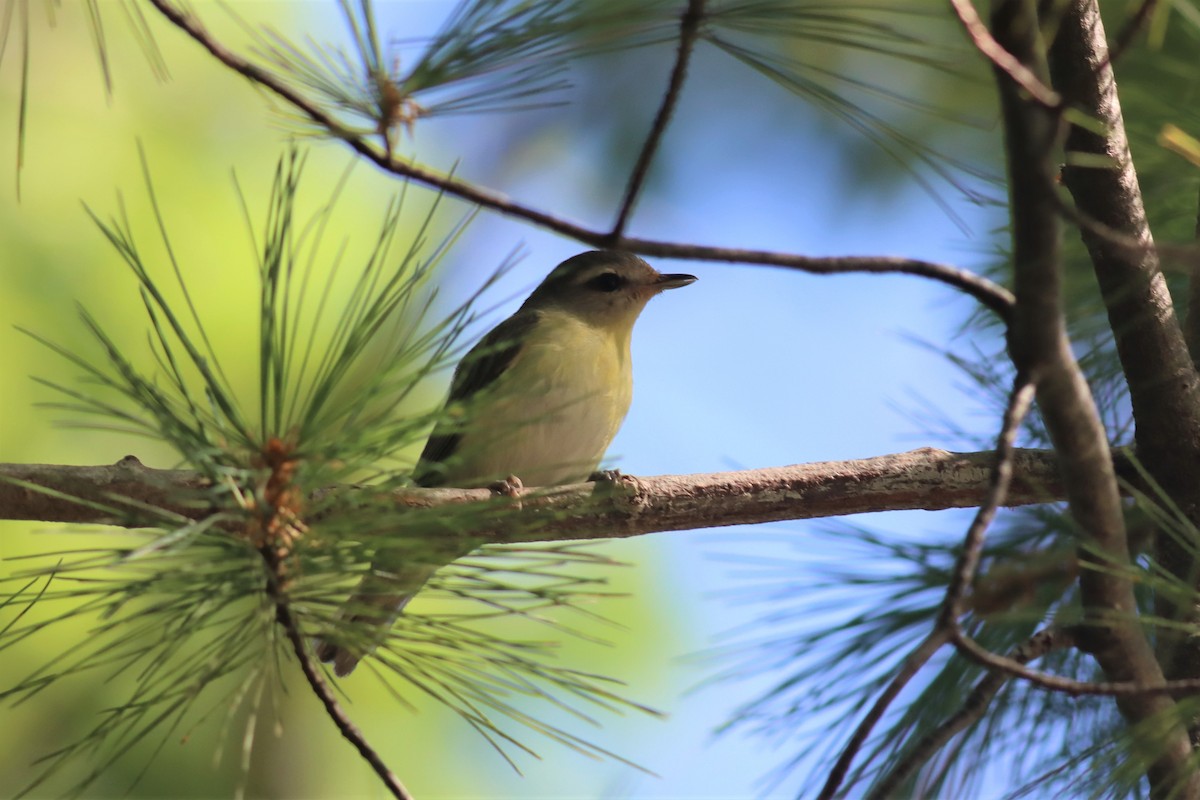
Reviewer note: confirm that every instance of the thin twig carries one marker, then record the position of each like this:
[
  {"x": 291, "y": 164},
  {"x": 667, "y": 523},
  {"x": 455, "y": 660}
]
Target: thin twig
[
  {"x": 917, "y": 659},
  {"x": 971, "y": 711},
  {"x": 348, "y": 729},
  {"x": 1055, "y": 683},
  {"x": 1019, "y": 402},
  {"x": 689, "y": 28},
  {"x": 998, "y": 482},
  {"x": 995, "y": 297},
  {"x": 1130, "y": 30},
  {"x": 986, "y": 44},
  {"x": 990, "y": 294}
]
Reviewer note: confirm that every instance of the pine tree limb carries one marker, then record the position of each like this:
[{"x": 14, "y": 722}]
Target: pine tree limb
[{"x": 927, "y": 478}]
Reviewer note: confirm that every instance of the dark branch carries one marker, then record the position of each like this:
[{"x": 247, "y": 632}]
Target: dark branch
[
  {"x": 689, "y": 28},
  {"x": 947, "y": 624},
  {"x": 1040, "y": 348},
  {"x": 1001, "y": 59},
  {"x": 1164, "y": 386},
  {"x": 994, "y": 297},
  {"x": 968, "y": 560},
  {"x": 349, "y": 730},
  {"x": 917, "y": 659},
  {"x": 972, "y": 710},
  {"x": 1129, "y": 32}
]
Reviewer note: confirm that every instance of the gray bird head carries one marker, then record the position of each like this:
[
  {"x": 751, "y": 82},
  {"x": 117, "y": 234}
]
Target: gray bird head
[{"x": 603, "y": 287}]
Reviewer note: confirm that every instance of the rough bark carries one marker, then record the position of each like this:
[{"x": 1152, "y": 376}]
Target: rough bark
[
  {"x": 920, "y": 479},
  {"x": 1040, "y": 348},
  {"x": 1163, "y": 383}
]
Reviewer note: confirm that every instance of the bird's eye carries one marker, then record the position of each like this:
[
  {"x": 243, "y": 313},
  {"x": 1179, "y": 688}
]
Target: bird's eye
[{"x": 606, "y": 282}]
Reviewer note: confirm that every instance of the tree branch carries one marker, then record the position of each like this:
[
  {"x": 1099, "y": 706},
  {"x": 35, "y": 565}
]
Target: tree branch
[
  {"x": 1164, "y": 386},
  {"x": 971, "y": 711},
  {"x": 947, "y": 625},
  {"x": 283, "y": 614},
  {"x": 1018, "y": 406},
  {"x": 1039, "y": 347},
  {"x": 928, "y": 479},
  {"x": 689, "y": 27},
  {"x": 995, "y": 297},
  {"x": 917, "y": 659},
  {"x": 1000, "y": 58}
]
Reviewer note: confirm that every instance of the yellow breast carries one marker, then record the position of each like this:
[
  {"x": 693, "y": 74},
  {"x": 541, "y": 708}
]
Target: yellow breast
[{"x": 552, "y": 414}]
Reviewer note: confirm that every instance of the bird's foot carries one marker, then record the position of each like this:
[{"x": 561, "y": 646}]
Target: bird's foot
[
  {"x": 614, "y": 482},
  {"x": 607, "y": 476},
  {"x": 510, "y": 487}
]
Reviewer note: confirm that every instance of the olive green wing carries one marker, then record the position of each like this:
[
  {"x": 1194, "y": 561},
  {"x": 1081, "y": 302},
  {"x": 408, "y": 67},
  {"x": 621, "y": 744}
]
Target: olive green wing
[{"x": 479, "y": 369}]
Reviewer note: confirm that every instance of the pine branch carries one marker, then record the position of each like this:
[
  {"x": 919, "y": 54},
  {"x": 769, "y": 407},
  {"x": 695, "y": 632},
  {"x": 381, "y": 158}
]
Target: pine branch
[
  {"x": 971, "y": 711},
  {"x": 994, "y": 297},
  {"x": 948, "y": 627},
  {"x": 350, "y": 731},
  {"x": 1039, "y": 347},
  {"x": 915, "y": 662},
  {"x": 689, "y": 29},
  {"x": 928, "y": 478},
  {"x": 1164, "y": 385}
]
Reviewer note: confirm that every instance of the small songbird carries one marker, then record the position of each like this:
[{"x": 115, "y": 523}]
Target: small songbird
[{"x": 540, "y": 397}]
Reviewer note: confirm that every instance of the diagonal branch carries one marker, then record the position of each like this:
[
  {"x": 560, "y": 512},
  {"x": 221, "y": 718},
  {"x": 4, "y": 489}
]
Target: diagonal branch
[
  {"x": 917, "y": 659},
  {"x": 1002, "y": 474},
  {"x": 283, "y": 614},
  {"x": 1001, "y": 59},
  {"x": 971, "y": 711},
  {"x": 999, "y": 481},
  {"x": 689, "y": 28},
  {"x": 991, "y": 295},
  {"x": 1136, "y": 23}
]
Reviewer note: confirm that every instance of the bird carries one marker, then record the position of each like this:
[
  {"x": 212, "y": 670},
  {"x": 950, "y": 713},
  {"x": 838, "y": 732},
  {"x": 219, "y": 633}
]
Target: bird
[{"x": 535, "y": 402}]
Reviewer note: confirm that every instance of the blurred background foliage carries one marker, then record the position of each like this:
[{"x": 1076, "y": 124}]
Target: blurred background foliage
[
  {"x": 198, "y": 129},
  {"x": 744, "y": 164}
]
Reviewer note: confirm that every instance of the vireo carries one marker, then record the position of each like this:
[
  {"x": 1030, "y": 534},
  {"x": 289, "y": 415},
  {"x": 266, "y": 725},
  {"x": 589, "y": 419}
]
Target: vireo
[{"x": 540, "y": 397}]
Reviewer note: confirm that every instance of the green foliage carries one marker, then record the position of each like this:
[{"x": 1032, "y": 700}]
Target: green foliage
[
  {"x": 183, "y": 610},
  {"x": 488, "y": 56}
]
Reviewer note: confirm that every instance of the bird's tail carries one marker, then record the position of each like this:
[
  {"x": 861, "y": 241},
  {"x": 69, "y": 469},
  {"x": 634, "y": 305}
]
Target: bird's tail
[{"x": 376, "y": 604}]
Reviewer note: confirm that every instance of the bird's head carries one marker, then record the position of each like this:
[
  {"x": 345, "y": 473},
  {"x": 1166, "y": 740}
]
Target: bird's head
[{"x": 603, "y": 287}]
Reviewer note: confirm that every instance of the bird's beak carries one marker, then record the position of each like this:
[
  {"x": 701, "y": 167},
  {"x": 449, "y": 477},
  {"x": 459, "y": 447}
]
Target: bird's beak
[{"x": 664, "y": 282}]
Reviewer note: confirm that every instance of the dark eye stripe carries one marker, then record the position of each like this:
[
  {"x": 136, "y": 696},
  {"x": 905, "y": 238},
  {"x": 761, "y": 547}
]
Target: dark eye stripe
[{"x": 606, "y": 282}]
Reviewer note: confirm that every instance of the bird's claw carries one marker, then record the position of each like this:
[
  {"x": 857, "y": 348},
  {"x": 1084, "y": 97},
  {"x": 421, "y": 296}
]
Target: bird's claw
[
  {"x": 509, "y": 487},
  {"x": 607, "y": 476}
]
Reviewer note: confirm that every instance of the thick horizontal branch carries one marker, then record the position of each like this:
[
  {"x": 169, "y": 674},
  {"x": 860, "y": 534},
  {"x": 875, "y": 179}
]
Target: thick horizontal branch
[{"x": 927, "y": 479}]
